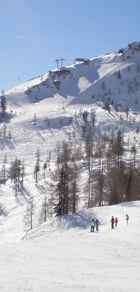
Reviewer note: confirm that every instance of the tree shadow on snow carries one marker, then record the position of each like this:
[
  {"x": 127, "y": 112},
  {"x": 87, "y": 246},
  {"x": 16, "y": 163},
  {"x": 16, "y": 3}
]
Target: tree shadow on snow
[{"x": 78, "y": 220}]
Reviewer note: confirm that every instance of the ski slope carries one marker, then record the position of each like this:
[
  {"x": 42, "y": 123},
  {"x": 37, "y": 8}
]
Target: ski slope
[{"x": 62, "y": 254}]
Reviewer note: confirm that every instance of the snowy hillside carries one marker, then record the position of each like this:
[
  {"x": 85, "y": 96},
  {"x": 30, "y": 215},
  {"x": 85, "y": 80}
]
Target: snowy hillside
[
  {"x": 45, "y": 111},
  {"x": 98, "y": 98}
]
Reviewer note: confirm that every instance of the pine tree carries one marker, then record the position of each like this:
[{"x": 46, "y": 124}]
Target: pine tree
[
  {"x": 45, "y": 167},
  {"x": 15, "y": 173},
  {"x": 3, "y": 103}
]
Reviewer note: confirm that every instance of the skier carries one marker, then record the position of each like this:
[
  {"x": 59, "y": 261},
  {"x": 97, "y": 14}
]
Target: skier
[
  {"x": 92, "y": 225},
  {"x": 127, "y": 218},
  {"x": 97, "y": 224},
  {"x": 112, "y": 222},
  {"x": 116, "y": 221}
]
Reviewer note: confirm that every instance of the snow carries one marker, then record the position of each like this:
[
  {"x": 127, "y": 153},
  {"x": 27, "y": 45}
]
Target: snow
[{"x": 62, "y": 254}]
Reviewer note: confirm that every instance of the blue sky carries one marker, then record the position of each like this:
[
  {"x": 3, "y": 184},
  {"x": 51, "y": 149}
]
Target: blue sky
[{"x": 34, "y": 33}]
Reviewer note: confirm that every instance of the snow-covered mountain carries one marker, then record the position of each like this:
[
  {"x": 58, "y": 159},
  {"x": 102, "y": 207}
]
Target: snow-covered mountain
[
  {"x": 45, "y": 111},
  {"x": 54, "y": 99},
  {"x": 61, "y": 254}
]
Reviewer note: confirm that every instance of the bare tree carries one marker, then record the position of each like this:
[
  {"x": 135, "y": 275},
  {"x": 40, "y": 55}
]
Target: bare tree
[
  {"x": 93, "y": 117},
  {"x": 37, "y": 166},
  {"x": 43, "y": 213},
  {"x": 89, "y": 156},
  {"x": 117, "y": 147},
  {"x": 28, "y": 216},
  {"x": 4, "y": 169},
  {"x": 4, "y": 129},
  {"x": 22, "y": 173},
  {"x": 74, "y": 189}
]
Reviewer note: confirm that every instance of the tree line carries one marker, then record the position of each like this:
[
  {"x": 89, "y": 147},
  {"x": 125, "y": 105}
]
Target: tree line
[{"x": 93, "y": 173}]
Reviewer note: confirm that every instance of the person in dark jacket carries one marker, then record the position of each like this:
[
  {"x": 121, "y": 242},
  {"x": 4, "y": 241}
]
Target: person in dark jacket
[
  {"x": 112, "y": 222},
  {"x": 92, "y": 225}
]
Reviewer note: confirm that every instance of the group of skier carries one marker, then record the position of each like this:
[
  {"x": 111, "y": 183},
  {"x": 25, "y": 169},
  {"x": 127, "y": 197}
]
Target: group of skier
[
  {"x": 95, "y": 224},
  {"x": 114, "y": 220}
]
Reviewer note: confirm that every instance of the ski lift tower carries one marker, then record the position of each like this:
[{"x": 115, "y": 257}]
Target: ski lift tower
[
  {"x": 57, "y": 61},
  {"x": 62, "y": 62}
]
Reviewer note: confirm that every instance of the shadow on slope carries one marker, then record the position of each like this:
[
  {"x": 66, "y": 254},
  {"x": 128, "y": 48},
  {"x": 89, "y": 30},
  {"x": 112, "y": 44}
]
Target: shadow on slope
[
  {"x": 6, "y": 142},
  {"x": 56, "y": 123}
]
